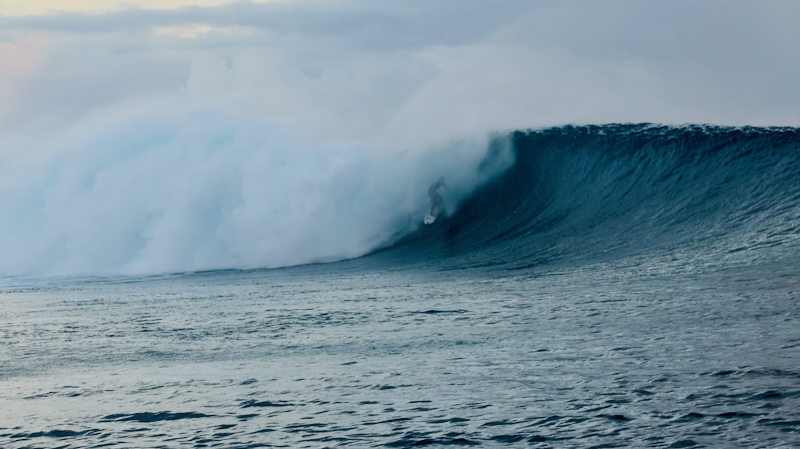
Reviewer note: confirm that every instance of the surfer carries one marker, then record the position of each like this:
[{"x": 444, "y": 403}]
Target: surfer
[{"x": 436, "y": 198}]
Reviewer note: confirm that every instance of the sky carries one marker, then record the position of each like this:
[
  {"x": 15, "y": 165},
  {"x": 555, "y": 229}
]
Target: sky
[
  {"x": 162, "y": 135},
  {"x": 39, "y": 7},
  {"x": 397, "y": 67}
]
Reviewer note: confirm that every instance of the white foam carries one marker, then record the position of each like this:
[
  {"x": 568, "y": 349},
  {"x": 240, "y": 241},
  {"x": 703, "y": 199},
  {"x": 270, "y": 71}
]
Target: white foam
[{"x": 173, "y": 185}]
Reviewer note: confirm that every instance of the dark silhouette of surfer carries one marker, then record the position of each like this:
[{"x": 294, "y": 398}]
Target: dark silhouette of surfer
[{"x": 436, "y": 198}]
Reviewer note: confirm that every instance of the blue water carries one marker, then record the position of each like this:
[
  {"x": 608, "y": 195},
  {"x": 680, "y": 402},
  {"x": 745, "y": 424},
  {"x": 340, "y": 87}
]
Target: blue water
[{"x": 621, "y": 285}]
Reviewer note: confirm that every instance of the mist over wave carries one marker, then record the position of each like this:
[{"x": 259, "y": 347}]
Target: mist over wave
[{"x": 163, "y": 188}]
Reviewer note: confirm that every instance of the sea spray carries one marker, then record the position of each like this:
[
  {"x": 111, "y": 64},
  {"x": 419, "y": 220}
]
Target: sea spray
[{"x": 165, "y": 188}]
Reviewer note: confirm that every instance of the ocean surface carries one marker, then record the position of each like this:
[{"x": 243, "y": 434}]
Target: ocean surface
[{"x": 617, "y": 286}]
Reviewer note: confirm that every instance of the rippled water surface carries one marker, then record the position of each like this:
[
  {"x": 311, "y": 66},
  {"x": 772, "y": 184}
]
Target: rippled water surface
[{"x": 328, "y": 356}]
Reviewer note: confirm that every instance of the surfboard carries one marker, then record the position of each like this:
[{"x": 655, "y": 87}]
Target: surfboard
[{"x": 431, "y": 217}]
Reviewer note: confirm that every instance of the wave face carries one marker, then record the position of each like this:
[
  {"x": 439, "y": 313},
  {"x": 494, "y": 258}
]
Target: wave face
[{"x": 694, "y": 197}]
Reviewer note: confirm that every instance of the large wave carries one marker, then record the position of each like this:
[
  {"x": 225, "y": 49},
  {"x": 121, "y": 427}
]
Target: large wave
[
  {"x": 695, "y": 197},
  {"x": 183, "y": 191}
]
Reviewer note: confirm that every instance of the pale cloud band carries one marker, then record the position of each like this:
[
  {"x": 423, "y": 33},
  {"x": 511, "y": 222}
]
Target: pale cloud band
[{"x": 42, "y": 7}]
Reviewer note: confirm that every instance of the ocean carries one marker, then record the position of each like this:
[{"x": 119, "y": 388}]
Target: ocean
[{"x": 613, "y": 286}]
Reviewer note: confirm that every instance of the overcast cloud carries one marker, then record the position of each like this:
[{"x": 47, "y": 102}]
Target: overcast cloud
[{"x": 488, "y": 65}]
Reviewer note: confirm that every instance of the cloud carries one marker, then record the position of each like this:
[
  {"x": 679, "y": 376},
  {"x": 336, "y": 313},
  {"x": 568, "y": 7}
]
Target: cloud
[
  {"x": 545, "y": 63},
  {"x": 378, "y": 25},
  {"x": 41, "y": 7}
]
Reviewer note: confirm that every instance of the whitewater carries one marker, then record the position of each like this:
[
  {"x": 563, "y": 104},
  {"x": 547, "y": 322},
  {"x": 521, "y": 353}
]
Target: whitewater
[
  {"x": 162, "y": 188},
  {"x": 630, "y": 285}
]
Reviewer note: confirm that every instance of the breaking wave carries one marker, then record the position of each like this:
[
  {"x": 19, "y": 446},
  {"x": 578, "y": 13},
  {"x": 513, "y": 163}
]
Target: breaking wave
[
  {"x": 696, "y": 196},
  {"x": 161, "y": 190}
]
